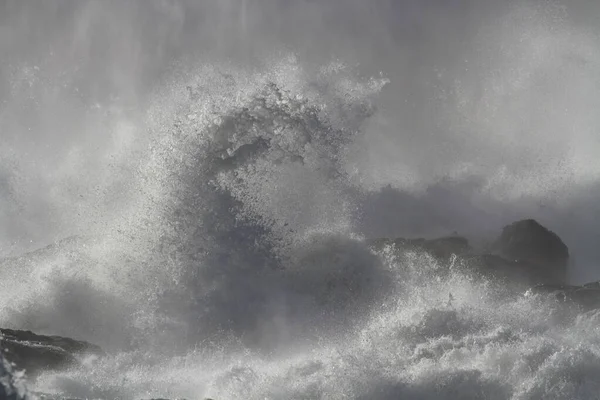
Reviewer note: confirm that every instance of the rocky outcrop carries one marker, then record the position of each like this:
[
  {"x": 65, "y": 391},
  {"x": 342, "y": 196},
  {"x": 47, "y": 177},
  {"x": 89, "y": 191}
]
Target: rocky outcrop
[
  {"x": 538, "y": 249},
  {"x": 525, "y": 253},
  {"x": 35, "y": 353}
]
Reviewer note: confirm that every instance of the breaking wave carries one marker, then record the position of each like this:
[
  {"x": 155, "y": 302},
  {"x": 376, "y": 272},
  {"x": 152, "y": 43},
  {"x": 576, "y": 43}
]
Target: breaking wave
[
  {"x": 237, "y": 269},
  {"x": 216, "y": 249}
]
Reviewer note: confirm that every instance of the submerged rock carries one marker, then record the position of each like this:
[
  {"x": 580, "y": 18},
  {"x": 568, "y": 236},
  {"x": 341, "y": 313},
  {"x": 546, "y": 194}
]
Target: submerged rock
[{"x": 35, "y": 353}]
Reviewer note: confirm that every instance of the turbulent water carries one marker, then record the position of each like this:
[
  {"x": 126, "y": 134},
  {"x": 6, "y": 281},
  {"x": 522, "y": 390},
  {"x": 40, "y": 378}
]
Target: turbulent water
[{"x": 211, "y": 237}]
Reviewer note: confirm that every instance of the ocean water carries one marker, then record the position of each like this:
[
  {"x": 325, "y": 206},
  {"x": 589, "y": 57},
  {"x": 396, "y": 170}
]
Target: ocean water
[{"x": 196, "y": 199}]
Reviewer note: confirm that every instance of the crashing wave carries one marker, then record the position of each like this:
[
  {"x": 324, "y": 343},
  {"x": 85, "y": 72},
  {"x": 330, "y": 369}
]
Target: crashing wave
[{"x": 236, "y": 271}]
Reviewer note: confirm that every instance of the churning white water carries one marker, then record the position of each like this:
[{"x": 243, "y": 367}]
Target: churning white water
[{"x": 208, "y": 223}]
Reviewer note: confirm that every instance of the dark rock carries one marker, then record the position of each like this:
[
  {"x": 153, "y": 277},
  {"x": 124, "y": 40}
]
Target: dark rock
[
  {"x": 539, "y": 249},
  {"x": 526, "y": 253},
  {"x": 35, "y": 353}
]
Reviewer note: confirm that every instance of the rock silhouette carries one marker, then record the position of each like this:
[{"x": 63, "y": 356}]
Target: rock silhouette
[
  {"x": 525, "y": 252},
  {"x": 539, "y": 249},
  {"x": 35, "y": 353}
]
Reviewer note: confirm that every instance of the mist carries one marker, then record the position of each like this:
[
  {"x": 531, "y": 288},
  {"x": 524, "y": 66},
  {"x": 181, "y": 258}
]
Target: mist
[
  {"x": 493, "y": 100},
  {"x": 208, "y": 171}
]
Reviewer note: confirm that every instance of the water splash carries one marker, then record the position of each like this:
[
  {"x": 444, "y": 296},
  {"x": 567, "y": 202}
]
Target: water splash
[{"x": 218, "y": 234}]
